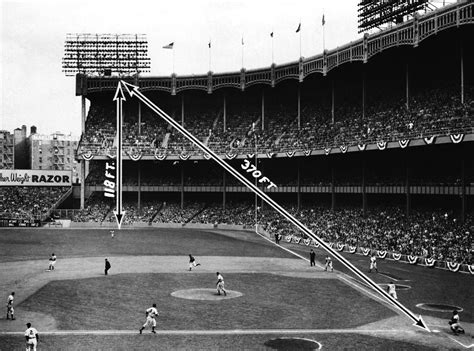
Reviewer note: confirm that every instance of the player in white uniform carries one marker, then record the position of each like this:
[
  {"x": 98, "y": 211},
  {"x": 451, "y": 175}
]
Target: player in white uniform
[
  {"x": 220, "y": 284},
  {"x": 373, "y": 264},
  {"x": 192, "y": 262},
  {"x": 391, "y": 290},
  {"x": 151, "y": 314},
  {"x": 328, "y": 264},
  {"x": 52, "y": 262},
  {"x": 32, "y": 338},
  {"x": 455, "y": 325},
  {"x": 10, "y": 310}
]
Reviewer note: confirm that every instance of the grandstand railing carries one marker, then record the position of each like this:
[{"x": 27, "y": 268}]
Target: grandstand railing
[{"x": 409, "y": 33}]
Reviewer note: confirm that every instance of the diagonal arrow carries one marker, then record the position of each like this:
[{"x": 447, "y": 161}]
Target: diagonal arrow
[
  {"x": 119, "y": 213},
  {"x": 134, "y": 91}
]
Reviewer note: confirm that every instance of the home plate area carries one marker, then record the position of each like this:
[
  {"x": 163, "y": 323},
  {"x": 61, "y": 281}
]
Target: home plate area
[{"x": 205, "y": 294}]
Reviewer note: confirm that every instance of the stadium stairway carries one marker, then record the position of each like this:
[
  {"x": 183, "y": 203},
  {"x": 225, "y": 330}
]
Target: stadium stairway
[
  {"x": 196, "y": 214},
  {"x": 152, "y": 218}
]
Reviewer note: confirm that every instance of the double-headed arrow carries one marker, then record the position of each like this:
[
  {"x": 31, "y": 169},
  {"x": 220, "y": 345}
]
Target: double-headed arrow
[
  {"x": 119, "y": 213},
  {"x": 133, "y": 90}
]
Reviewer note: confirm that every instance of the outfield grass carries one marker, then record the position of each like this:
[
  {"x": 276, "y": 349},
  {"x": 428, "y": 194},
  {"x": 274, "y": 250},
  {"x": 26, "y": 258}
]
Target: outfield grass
[
  {"x": 28, "y": 244},
  {"x": 201, "y": 342},
  {"x": 269, "y": 301}
]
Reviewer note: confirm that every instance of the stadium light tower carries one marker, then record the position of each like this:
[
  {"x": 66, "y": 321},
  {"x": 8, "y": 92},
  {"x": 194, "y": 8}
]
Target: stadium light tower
[{"x": 106, "y": 54}]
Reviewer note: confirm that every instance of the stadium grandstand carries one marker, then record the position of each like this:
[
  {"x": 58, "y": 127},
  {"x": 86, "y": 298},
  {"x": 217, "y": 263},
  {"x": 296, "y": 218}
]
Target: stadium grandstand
[{"x": 375, "y": 132}]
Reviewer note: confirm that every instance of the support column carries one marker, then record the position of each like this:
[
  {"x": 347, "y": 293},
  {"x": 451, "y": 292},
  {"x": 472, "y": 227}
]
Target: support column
[
  {"x": 364, "y": 193},
  {"x": 332, "y": 101},
  {"x": 407, "y": 188},
  {"x": 407, "y": 86},
  {"x": 298, "y": 179},
  {"x": 83, "y": 183},
  {"x": 139, "y": 180},
  {"x": 463, "y": 189},
  {"x": 225, "y": 114},
  {"x": 333, "y": 188},
  {"x": 263, "y": 109},
  {"x": 299, "y": 106},
  {"x": 363, "y": 94},
  {"x": 224, "y": 188},
  {"x": 83, "y": 162},
  {"x": 182, "y": 185},
  {"x": 462, "y": 73},
  {"x": 139, "y": 118},
  {"x": 182, "y": 110}
]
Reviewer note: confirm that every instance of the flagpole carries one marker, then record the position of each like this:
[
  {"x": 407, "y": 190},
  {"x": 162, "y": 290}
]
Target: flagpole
[
  {"x": 172, "y": 49},
  {"x": 242, "y": 51},
  {"x": 210, "y": 55},
  {"x": 273, "y": 60},
  {"x": 300, "y": 37},
  {"x": 324, "y": 36}
]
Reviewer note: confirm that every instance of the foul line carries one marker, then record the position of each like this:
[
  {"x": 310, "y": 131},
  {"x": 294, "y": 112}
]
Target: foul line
[{"x": 216, "y": 332}]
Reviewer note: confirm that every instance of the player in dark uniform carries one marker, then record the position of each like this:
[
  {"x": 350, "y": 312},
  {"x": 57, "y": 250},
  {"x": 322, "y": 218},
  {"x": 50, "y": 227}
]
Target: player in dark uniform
[{"x": 312, "y": 258}]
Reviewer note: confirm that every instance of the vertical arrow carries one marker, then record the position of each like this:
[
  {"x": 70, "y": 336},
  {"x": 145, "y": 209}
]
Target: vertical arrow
[
  {"x": 418, "y": 321},
  {"x": 119, "y": 213}
]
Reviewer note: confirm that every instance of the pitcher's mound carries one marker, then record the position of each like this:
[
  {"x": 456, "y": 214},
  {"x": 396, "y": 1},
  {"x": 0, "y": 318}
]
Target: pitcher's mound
[{"x": 205, "y": 294}]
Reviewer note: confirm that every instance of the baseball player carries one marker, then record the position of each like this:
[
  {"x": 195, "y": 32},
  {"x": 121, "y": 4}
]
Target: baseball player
[
  {"x": 32, "y": 338},
  {"x": 312, "y": 258},
  {"x": 10, "y": 310},
  {"x": 391, "y": 290},
  {"x": 192, "y": 262},
  {"x": 220, "y": 284},
  {"x": 454, "y": 323},
  {"x": 151, "y": 314},
  {"x": 112, "y": 234},
  {"x": 52, "y": 262},
  {"x": 373, "y": 264},
  {"x": 328, "y": 263}
]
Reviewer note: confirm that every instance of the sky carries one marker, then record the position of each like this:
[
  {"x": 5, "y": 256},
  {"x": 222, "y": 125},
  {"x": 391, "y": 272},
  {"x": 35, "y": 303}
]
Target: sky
[{"x": 35, "y": 91}]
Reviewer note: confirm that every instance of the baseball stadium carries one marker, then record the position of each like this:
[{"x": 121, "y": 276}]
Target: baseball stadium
[{"x": 362, "y": 154}]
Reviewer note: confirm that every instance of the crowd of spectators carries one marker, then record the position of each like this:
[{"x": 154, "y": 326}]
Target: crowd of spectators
[
  {"x": 28, "y": 202},
  {"x": 431, "y": 112}
]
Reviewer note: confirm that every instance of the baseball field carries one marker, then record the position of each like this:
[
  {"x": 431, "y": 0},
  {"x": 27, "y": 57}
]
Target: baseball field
[{"x": 275, "y": 300}]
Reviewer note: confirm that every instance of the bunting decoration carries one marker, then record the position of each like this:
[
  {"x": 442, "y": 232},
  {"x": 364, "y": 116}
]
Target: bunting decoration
[
  {"x": 135, "y": 155},
  {"x": 270, "y": 154},
  {"x": 327, "y": 150},
  {"x": 456, "y": 138},
  {"x": 88, "y": 155},
  {"x": 184, "y": 156},
  {"x": 365, "y": 251},
  {"x": 307, "y": 152},
  {"x": 307, "y": 241},
  {"x": 250, "y": 155},
  {"x": 396, "y": 256},
  {"x": 339, "y": 247},
  {"x": 453, "y": 266},
  {"x": 361, "y": 147},
  {"x": 109, "y": 155},
  {"x": 315, "y": 243},
  {"x": 429, "y": 140},
  {"x": 343, "y": 148},
  {"x": 403, "y": 143},
  {"x": 234, "y": 144},
  {"x": 331, "y": 245},
  {"x": 381, "y": 144},
  {"x": 159, "y": 155},
  {"x": 290, "y": 153},
  {"x": 470, "y": 267},
  {"x": 412, "y": 259},
  {"x": 230, "y": 155},
  {"x": 352, "y": 249},
  {"x": 430, "y": 262},
  {"x": 288, "y": 238},
  {"x": 381, "y": 253},
  {"x": 298, "y": 239},
  {"x": 207, "y": 156}
]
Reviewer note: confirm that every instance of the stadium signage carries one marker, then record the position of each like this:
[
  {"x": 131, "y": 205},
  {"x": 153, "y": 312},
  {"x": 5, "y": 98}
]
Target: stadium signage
[
  {"x": 109, "y": 182},
  {"x": 30, "y": 177}
]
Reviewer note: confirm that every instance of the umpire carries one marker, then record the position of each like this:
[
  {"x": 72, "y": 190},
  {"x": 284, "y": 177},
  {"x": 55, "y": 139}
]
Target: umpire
[{"x": 107, "y": 266}]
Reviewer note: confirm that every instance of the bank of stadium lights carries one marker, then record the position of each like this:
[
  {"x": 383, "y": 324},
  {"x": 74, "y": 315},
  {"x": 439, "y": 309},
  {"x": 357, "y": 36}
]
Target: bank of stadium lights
[
  {"x": 105, "y": 54},
  {"x": 376, "y": 13}
]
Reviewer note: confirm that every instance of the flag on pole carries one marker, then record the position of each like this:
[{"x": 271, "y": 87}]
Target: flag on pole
[
  {"x": 271, "y": 34},
  {"x": 209, "y": 44},
  {"x": 323, "y": 21},
  {"x": 169, "y": 46},
  {"x": 299, "y": 28},
  {"x": 242, "y": 40}
]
